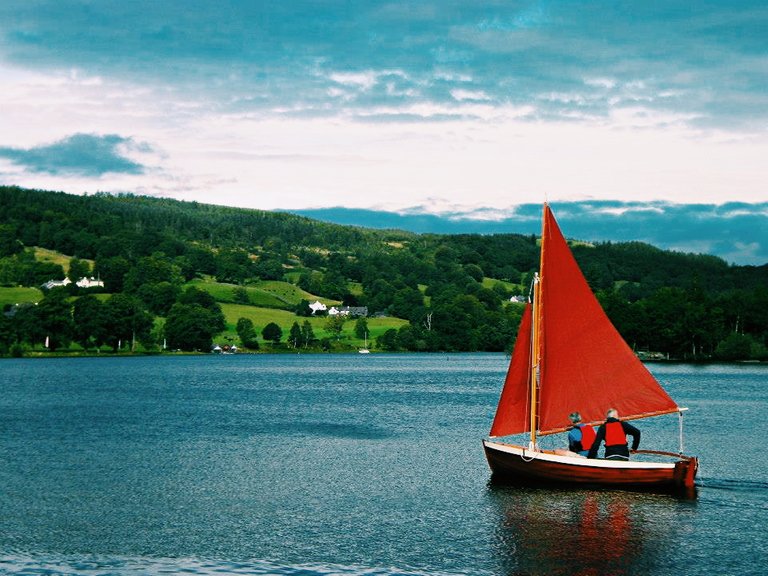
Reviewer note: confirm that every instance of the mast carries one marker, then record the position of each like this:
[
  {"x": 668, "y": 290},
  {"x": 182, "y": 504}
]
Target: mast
[
  {"x": 593, "y": 368},
  {"x": 538, "y": 309}
]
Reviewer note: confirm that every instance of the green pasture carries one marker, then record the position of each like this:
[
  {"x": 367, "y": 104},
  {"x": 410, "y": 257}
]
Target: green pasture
[
  {"x": 355, "y": 288},
  {"x": 19, "y": 295},
  {"x": 263, "y": 316},
  {"x": 491, "y": 282},
  {"x": 265, "y": 294},
  {"x": 45, "y": 255}
]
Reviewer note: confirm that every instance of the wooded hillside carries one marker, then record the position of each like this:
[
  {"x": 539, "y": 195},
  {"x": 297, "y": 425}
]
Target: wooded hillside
[{"x": 187, "y": 274}]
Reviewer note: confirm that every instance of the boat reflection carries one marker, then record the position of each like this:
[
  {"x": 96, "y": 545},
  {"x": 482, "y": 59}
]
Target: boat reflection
[{"x": 577, "y": 532}]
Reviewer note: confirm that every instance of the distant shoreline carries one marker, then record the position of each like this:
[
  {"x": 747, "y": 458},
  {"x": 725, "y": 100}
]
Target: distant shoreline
[{"x": 50, "y": 355}]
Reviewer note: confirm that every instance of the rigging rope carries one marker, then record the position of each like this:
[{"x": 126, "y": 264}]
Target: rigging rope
[
  {"x": 680, "y": 428},
  {"x": 533, "y": 451}
]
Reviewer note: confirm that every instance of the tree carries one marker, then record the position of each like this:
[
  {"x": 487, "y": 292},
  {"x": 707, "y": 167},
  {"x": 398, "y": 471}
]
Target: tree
[
  {"x": 735, "y": 347},
  {"x": 407, "y": 303},
  {"x": 489, "y": 297},
  {"x": 78, "y": 269},
  {"x": 272, "y": 332},
  {"x": 311, "y": 259},
  {"x": 310, "y": 282},
  {"x": 190, "y": 327},
  {"x": 475, "y": 272},
  {"x": 307, "y": 333},
  {"x": 303, "y": 309},
  {"x": 380, "y": 295},
  {"x": 233, "y": 266},
  {"x": 201, "y": 260},
  {"x": 54, "y": 319},
  {"x": 126, "y": 320},
  {"x": 269, "y": 268},
  {"x": 159, "y": 297},
  {"x": 202, "y": 298},
  {"x": 335, "y": 324},
  {"x": 9, "y": 243},
  {"x": 295, "y": 335},
  {"x": 7, "y": 334},
  {"x": 112, "y": 272},
  {"x": 88, "y": 315},
  {"x": 361, "y": 327},
  {"x": 247, "y": 333},
  {"x": 334, "y": 285},
  {"x": 240, "y": 295},
  {"x": 388, "y": 340},
  {"x": 152, "y": 270},
  {"x": 407, "y": 338}
]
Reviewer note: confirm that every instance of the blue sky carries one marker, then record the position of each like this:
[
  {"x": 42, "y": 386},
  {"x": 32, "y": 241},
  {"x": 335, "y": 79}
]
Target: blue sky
[{"x": 455, "y": 111}]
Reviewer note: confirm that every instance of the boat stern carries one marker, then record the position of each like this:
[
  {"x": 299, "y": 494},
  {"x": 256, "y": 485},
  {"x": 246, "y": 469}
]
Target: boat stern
[{"x": 685, "y": 472}]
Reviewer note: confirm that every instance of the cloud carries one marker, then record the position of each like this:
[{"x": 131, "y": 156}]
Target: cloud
[
  {"x": 79, "y": 155},
  {"x": 706, "y": 66},
  {"x": 481, "y": 103},
  {"x": 460, "y": 95}
]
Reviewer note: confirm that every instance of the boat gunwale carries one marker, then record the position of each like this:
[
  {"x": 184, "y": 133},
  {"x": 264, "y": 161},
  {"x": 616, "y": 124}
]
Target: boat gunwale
[{"x": 549, "y": 456}]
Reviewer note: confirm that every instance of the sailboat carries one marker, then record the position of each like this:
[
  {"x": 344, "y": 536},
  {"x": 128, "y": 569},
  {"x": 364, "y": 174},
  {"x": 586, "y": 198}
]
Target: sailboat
[
  {"x": 569, "y": 357},
  {"x": 364, "y": 349}
]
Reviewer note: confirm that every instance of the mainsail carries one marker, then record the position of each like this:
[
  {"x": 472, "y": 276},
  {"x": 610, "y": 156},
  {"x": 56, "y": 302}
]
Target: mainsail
[{"x": 584, "y": 364}]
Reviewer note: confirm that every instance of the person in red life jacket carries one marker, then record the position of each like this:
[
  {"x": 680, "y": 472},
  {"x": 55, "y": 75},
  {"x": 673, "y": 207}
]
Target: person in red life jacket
[
  {"x": 580, "y": 436},
  {"x": 614, "y": 433}
]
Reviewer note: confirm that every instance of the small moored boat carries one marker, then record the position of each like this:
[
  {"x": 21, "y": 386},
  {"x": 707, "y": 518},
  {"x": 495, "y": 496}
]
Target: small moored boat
[{"x": 364, "y": 349}]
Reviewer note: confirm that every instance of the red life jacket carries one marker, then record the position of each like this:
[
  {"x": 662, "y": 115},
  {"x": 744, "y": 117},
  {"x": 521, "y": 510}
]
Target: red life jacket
[
  {"x": 587, "y": 436},
  {"x": 614, "y": 434}
]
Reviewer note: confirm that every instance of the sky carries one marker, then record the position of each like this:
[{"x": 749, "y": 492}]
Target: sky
[{"x": 648, "y": 119}]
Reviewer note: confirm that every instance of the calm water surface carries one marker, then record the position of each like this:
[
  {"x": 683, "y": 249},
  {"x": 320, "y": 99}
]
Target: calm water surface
[{"x": 359, "y": 465}]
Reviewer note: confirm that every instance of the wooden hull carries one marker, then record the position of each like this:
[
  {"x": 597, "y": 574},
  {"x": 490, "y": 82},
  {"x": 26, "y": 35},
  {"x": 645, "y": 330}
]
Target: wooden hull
[{"x": 518, "y": 464}]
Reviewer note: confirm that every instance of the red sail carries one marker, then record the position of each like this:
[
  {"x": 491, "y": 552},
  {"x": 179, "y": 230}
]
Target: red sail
[
  {"x": 513, "y": 414},
  {"x": 585, "y": 364}
]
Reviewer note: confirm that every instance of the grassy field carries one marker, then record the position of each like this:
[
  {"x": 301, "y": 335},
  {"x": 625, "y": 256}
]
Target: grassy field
[
  {"x": 293, "y": 276},
  {"x": 263, "y": 316},
  {"x": 265, "y": 294},
  {"x": 45, "y": 255},
  {"x": 491, "y": 282},
  {"x": 17, "y": 295}
]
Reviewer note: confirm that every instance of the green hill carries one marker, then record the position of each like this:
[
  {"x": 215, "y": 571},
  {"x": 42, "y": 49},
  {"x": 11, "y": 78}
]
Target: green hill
[{"x": 422, "y": 292}]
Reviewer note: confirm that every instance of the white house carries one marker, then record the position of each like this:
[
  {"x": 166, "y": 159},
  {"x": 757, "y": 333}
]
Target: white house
[
  {"x": 82, "y": 283},
  {"x": 318, "y": 306},
  {"x": 354, "y": 310},
  {"x": 90, "y": 283},
  {"x": 56, "y": 283},
  {"x": 348, "y": 311}
]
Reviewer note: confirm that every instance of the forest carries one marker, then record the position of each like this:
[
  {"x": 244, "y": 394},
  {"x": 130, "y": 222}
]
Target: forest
[{"x": 183, "y": 276}]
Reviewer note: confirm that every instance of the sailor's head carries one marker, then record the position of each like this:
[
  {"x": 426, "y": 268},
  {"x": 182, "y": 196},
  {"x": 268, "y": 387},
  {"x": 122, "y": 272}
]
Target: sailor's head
[
  {"x": 574, "y": 417},
  {"x": 613, "y": 413}
]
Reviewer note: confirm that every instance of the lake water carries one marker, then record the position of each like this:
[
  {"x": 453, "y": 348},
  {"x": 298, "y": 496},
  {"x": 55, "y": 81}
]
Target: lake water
[{"x": 347, "y": 464}]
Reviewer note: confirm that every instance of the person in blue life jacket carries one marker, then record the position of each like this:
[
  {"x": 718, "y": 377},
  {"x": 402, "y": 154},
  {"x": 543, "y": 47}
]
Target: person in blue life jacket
[
  {"x": 614, "y": 433},
  {"x": 581, "y": 437}
]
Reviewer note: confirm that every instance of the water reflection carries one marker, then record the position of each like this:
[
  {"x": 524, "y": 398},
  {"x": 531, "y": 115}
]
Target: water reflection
[{"x": 577, "y": 532}]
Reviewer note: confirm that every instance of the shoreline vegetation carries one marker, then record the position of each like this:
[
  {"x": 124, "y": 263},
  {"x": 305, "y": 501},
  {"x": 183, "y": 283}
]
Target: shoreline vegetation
[
  {"x": 164, "y": 275},
  {"x": 42, "y": 354}
]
